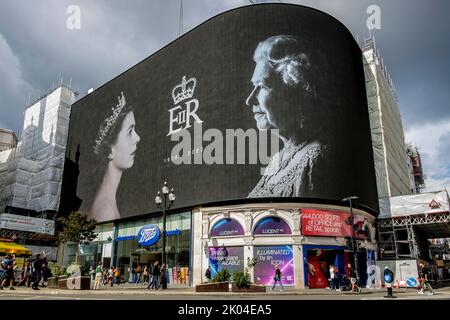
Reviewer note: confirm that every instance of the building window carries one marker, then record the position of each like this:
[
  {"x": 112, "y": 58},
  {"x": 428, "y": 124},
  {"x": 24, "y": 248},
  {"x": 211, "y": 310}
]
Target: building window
[
  {"x": 227, "y": 227},
  {"x": 272, "y": 226}
]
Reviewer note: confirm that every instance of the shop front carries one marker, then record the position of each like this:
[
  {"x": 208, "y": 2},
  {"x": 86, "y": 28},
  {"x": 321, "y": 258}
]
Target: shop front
[
  {"x": 324, "y": 224},
  {"x": 132, "y": 248},
  {"x": 90, "y": 254},
  {"x": 302, "y": 239}
]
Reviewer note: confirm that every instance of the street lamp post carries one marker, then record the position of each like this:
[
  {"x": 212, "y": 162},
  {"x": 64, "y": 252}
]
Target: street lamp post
[
  {"x": 164, "y": 208},
  {"x": 355, "y": 256}
]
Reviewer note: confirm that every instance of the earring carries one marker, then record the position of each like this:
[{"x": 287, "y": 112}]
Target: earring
[{"x": 110, "y": 157}]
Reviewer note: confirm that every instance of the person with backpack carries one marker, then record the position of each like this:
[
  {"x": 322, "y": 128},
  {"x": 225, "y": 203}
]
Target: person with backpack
[{"x": 8, "y": 266}]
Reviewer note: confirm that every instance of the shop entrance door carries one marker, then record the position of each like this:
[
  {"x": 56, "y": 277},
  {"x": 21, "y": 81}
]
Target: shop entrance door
[{"x": 317, "y": 261}]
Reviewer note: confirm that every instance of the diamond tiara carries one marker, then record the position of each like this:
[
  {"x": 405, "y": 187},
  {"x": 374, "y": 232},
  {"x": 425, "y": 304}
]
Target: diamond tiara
[{"x": 110, "y": 121}]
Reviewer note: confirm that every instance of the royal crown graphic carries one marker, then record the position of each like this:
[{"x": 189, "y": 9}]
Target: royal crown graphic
[{"x": 184, "y": 90}]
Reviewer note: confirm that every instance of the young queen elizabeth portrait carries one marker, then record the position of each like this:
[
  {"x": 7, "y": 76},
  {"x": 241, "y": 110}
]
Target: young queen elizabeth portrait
[{"x": 115, "y": 146}]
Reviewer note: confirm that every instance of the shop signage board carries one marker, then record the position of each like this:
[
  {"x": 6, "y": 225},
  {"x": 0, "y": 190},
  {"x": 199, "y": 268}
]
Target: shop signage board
[
  {"x": 148, "y": 235},
  {"x": 326, "y": 223},
  {"x": 227, "y": 227},
  {"x": 332, "y": 223},
  {"x": 267, "y": 258},
  {"x": 24, "y": 223},
  {"x": 271, "y": 226}
]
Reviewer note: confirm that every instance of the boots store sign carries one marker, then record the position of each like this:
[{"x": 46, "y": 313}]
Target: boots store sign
[{"x": 23, "y": 223}]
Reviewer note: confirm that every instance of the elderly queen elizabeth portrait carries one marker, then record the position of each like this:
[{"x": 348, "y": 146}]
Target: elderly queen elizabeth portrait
[{"x": 283, "y": 98}]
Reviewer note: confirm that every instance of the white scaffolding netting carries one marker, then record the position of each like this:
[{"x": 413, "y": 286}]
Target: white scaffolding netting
[
  {"x": 31, "y": 174},
  {"x": 389, "y": 150}
]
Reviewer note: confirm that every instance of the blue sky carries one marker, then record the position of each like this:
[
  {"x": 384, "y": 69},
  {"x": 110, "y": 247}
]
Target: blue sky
[{"x": 36, "y": 47}]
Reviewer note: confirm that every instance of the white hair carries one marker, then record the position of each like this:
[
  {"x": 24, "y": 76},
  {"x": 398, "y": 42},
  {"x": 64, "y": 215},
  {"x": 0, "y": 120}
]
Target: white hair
[{"x": 284, "y": 55}]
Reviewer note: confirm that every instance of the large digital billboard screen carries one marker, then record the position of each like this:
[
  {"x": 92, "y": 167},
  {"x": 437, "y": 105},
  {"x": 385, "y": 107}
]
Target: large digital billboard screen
[{"x": 261, "y": 101}]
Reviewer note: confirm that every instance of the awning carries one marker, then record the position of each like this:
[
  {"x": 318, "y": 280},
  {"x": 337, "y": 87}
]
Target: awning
[{"x": 13, "y": 248}]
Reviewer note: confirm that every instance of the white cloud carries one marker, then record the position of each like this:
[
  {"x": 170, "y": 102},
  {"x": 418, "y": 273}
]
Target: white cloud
[
  {"x": 12, "y": 85},
  {"x": 432, "y": 141}
]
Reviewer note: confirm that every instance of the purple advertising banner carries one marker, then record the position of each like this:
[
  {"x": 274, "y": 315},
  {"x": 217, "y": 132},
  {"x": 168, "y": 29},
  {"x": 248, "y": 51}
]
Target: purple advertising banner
[
  {"x": 267, "y": 258},
  {"x": 227, "y": 227},
  {"x": 230, "y": 258},
  {"x": 272, "y": 225}
]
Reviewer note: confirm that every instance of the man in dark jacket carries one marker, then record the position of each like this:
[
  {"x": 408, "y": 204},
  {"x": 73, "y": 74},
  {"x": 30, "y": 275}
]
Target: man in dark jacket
[{"x": 36, "y": 271}]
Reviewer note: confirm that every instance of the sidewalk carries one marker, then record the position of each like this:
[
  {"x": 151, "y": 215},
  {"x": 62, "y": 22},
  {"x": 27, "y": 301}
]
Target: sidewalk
[{"x": 131, "y": 289}]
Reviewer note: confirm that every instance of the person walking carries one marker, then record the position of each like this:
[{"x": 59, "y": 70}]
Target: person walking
[
  {"x": 336, "y": 278},
  {"x": 425, "y": 274},
  {"x": 111, "y": 275},
  {"x": 163, "y": 279},
  {"x": 332, "y": 282},
  {"x": 8, "y": 266},
  {"x": 155, "y": 279},
  {"x": 146, "y": 274},
  {"x": 388, "y": 280},
  {"x": 25, "y": 274},
  {"x": 138, "y": 274},
  {"x": 353, "y": 282},
  {"x": 45, "y": 270},
  {"x": 98, "y": 275},
  {"x": 117, "y": 275},
  {"x": 277, "y": 278},
  {"x": 208, "y": 274},
  {"x": 36, "y": 271}
]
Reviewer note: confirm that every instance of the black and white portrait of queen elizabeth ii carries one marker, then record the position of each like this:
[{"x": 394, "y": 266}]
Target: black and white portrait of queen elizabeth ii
[
  {"x": 283, "y": 98},
  {"x": 115, "y": 147}
]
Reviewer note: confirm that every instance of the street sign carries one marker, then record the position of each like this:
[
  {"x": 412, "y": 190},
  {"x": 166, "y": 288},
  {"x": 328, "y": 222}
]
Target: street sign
[{"x": 411, "y": 282}]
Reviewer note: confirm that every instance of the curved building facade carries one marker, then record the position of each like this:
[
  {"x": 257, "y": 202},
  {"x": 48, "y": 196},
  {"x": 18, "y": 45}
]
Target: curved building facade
[{"x": 258, "y": 119}]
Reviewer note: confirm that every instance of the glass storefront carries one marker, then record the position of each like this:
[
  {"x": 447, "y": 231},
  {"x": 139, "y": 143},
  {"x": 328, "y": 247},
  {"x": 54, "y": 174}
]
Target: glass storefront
[
  {"x": 130, "y": 254},
  {"x": 97, "y": 250}
]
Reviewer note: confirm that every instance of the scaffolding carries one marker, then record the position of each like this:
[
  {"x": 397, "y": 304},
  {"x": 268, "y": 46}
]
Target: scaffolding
[
  {"x": 400, "y": 238},
  {"x": 31, "y": 177}
]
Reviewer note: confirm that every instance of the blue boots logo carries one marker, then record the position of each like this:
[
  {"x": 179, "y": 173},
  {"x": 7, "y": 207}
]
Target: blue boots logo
[{"x": 148, "y": 235}]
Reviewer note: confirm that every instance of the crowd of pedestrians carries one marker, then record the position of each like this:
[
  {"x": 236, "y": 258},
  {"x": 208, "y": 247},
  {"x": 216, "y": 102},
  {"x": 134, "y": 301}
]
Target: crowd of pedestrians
[
  {"x": 34, "y": 273},
  {"x": 152, "y": 276}
]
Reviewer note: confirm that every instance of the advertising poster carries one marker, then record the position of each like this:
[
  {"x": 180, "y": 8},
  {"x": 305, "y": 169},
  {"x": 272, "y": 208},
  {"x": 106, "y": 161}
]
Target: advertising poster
[
  {"x": 326, "y": 223},
  {"x": 267, "y": 258},
  {"x": 227, "y": 227},
  {"x": 318, "y": 261},
  {"x": 259, "y": 102},
  {"x": 271, "y": 226},
  {"x": 230, "y": 258}
]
